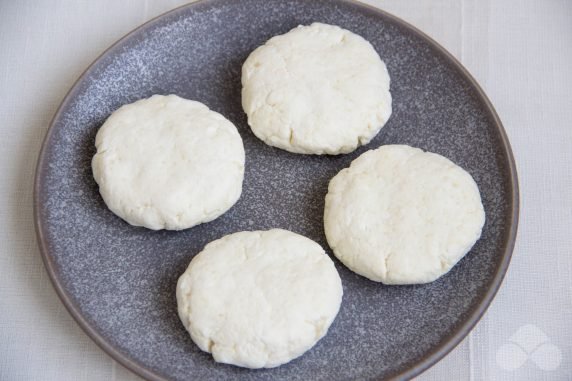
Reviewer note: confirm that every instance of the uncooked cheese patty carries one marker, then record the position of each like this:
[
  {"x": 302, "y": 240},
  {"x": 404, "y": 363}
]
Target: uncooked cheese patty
[
  {"x": 168, "y": 163},
  {"x": 318, "y": 89},
  {"x": 259, "y": 299},
  {"x": 399, "y": 215}
]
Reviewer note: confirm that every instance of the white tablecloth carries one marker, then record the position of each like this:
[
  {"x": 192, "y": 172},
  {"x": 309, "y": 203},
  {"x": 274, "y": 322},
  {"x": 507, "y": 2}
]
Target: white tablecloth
[{"x": 519, "y": 50}]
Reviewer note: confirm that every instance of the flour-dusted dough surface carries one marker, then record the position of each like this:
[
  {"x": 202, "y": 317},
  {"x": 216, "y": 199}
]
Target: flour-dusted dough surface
[
  {"x": 318, "y": 89},
  {"x": 259, "y": 299},
  {"x": 399, "y": 215},
  {"x": 168, "y": 163}
]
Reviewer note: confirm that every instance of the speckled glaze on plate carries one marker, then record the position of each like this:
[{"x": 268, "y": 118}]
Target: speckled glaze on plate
[{"x": 118, "y": 281}]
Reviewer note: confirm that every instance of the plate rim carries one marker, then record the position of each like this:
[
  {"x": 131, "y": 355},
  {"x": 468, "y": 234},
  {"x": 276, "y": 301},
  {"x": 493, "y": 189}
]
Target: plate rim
[{"x": 435, "y": 354}]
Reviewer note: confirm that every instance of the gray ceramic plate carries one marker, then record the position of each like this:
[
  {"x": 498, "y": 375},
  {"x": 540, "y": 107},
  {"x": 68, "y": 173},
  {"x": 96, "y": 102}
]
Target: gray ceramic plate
[{"x": 118, "y": 281}]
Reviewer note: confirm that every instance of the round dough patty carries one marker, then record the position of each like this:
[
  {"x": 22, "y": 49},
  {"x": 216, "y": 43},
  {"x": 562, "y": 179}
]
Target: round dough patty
[
  {"x": 318, "y": 89},
  {"x": 168, "y": 163},
  {"x": 259, "y": 299},
  {"x": 399, "y": 215}
]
